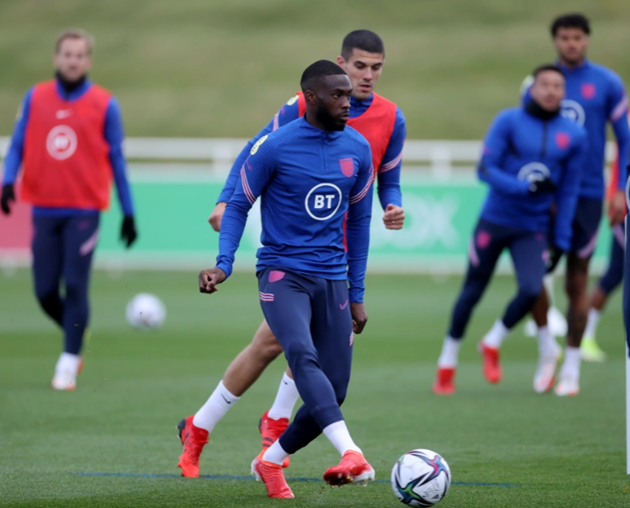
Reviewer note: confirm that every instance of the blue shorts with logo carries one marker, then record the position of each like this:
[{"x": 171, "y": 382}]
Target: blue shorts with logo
[{"x": 588, "y": 216}]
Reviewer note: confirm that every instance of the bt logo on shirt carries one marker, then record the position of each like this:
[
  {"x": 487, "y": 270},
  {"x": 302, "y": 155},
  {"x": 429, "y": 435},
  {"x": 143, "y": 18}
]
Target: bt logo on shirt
[{"x": 323, "y": 201}]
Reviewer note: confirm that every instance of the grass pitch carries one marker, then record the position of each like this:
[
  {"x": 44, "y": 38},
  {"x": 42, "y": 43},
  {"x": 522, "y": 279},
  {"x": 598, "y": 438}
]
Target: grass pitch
[
  {"x": 112, "y": 442},
  {"x": 216, "y": 68}
]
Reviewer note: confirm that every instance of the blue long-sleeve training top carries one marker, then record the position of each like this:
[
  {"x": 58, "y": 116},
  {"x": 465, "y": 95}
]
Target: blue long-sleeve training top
[
  {"x": 113, "y": 133},
  {"x": 388, "y": 175},
  {"x": 595, "y": 95},
  {"x": 521, "y": 147},
  {"x": 308, "y": 179}
]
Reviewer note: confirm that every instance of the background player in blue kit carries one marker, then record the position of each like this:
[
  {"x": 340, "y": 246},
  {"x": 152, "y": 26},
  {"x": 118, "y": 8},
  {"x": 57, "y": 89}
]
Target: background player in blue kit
[
  {"x": 383, "y": 125},
  {"x": 68, "y": 140},
  {"x": 608, "y": 282},
  {"x": 531, "y": 157},
  {"x": 312, "y": 175},
  {"x": 595, "y": 96}
]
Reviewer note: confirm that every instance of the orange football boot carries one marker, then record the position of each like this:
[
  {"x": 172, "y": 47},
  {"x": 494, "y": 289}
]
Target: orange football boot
[
  {"x": 271, "y": 430},
  {"x": 272, "y": 476},
  {"x": 193, "y": 440},
  {"x": 491, "y": 367},
  {"x": 443, "y": 384},
  {"x": 353, "y": 468}
]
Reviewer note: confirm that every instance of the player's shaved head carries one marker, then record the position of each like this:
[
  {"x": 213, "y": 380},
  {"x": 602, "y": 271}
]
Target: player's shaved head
[{"x": 314, "y": 73}]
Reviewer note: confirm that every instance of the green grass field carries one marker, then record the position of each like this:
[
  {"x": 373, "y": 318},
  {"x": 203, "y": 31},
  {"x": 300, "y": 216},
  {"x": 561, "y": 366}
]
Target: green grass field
[
  {"x": 212, "y": 68},
  {"x": 542, "y": 451}
]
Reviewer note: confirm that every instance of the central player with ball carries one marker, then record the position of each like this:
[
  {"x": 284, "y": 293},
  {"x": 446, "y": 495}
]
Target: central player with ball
[{"x": 314, "y": 177}]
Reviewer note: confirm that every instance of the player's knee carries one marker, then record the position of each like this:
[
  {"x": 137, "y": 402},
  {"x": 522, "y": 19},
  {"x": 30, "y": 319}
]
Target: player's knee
[
  {"x": 46, "y": 294},
  {"x": 470, "y": 295},
  {"x": 76, "y": 292},
  {"x": 575, "y": 287},
  {"x": 530, "y": 292},
  {"x": 270, "y": 351},
  {"x": 299, "y": 353}
]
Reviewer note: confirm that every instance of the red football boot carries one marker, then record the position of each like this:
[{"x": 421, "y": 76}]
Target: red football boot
[
  {"x": 443, "y": 384},
  {"x": 271, "y": 430},
  {"x": 272, "y": 476},
  {"x": 193, "y": 440},
  {"x": 491, "y": 367},
  {"x": 353, "y": 468}
]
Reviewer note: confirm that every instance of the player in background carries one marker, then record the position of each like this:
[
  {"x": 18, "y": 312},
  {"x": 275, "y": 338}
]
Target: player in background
[
  {"x": 531, "y": 157},
  {"x": 608, "y": 282},
  {"x": 595, "y": 96},
  {"x": 314, "y": 178},
  {"x": 68, "y": 140},
  {"x": 383, "y": 125}
]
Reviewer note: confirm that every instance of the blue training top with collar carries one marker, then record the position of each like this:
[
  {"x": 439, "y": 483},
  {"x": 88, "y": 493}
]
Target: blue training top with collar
[
  {"x": 388, "y": 181},
  {"x": 521, "y": 147},
  {"x": 308, "y": 180},
  {"x": 595, "y": 95}
]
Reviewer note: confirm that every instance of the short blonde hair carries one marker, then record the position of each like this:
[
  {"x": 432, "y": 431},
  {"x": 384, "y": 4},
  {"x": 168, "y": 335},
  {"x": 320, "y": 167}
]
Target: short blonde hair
[{"x": 75, "y": 33}]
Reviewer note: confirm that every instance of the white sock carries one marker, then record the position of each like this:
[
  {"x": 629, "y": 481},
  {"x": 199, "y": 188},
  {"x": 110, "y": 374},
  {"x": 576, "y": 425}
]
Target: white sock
[
  {"x": 215, "y": 408},
  {"x": 547, "y": 345},
  {"x": 497, "y": 334},
  {"x": 285, "y": 401},
  {"x": 338, "y": 434},
  {"x": 68, "y": 365},
  {"x": 591, "y": 324},
  {"x": 571, "y": 365},
  {"x": 275, "y": 453},
  {"x": 450, "y": 351}
]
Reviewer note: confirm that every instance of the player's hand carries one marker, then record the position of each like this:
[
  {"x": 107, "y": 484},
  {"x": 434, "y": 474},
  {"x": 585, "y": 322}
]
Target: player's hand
[
  {"x": 617, "y": 208},
  {"x": 8, "y": 197},
  {"x": 210, "y": 279},
  {"x": 555, "y": 254},
  {"x": 541, "y": 186},
  {"x": 216, "y": 216},
  {"x": 359, "y": 317},
  {"x": 394, "y": 217},
  {"x": 128, "y": 233}
]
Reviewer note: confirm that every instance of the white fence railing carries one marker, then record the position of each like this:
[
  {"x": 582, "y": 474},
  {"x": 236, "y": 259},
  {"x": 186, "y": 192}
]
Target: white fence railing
[{"x": 441, "y": 157}]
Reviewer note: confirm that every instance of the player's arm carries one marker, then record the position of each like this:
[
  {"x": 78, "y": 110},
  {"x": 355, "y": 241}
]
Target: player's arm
[
  {"x": 255, "y": 174},
  {"x": 13, "y": 160},
  {"x": 389, "y": 193},
  {"x": 617, "y": 105},
  {"x": 494, "y": 149},
  {"x": 287, "y": 113},
  {"x": 567, "y": 194},
  {"x": 114, "y": 135},
  {"x": 358, "y": 238}
]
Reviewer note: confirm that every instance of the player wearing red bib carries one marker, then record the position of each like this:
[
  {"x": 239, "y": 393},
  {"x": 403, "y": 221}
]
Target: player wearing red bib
[
  {"x": 68, "y": 142},
  {"x": 383, "y": 125}
]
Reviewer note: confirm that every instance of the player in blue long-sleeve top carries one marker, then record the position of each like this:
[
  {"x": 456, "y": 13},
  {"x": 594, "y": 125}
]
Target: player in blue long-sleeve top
[
  {"x": 532, "y": 156},
  {"x": 68, "y": 141},
  {"x": 382, "y": 123},
  {"x": 314, "y": 177},
  {"x": 595, "y": 96}
]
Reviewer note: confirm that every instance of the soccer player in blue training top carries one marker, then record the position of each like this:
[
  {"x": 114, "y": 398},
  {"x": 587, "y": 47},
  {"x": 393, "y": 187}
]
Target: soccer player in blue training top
[
  {"x": 383, "y": 125},
  {"x": 595, "y": 96},
  {"x": 311, "y": 174},
  {"x": 531, "y": 157},
  {"x": 610, "y": 280},
  {"x": 68, "y": 138}
]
